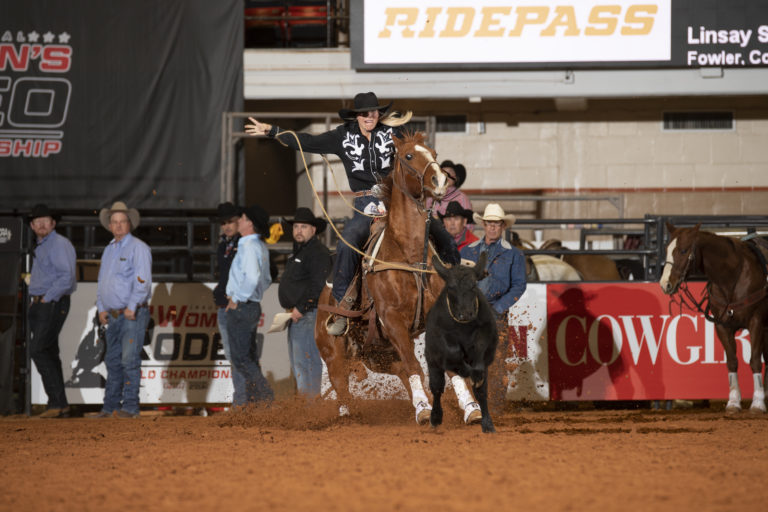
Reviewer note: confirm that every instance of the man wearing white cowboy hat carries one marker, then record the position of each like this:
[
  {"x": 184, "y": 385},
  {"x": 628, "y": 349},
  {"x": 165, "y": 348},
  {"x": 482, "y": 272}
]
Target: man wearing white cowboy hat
[
  {"x": 300, "y": 286},
  {"x": 122, "y": 298},
  {"x": 503, "y": 286},
  {"x": 364, "y": 145}
]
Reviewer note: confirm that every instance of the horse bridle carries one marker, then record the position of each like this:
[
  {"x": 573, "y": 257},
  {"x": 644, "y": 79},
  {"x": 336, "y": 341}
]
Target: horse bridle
[
  {"x": 477, "y": 309},
  {"x": 418, "y": 175}
]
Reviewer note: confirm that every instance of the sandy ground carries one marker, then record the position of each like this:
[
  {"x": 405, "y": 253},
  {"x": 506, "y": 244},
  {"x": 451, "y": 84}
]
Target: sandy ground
[{"x": 297, "y": 456}]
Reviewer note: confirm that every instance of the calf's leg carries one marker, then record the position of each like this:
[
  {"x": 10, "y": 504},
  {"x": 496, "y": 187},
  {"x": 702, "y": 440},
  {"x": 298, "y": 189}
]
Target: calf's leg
[
  {"x": 436, "y": 385},
  {"x": 481, "y": 392}
]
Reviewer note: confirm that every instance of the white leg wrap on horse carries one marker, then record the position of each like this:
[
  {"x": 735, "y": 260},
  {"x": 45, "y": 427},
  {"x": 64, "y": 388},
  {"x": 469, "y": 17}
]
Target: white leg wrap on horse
[
  {"x": 469, "y": 406},
  {"x": 417, "y": 391},
  {"x": 343, "y": 410},
  {"x": 462, "y": 392},
  {"x": 758, "y": 397},
  {"x": 734, "y": 396}
]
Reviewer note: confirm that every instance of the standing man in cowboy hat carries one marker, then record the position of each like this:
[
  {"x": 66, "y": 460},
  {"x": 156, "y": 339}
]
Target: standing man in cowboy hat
[
  {"x": 503, "y": 286},
  {"x": 50, "y": 285},
  {"x": 364, "y": 145},
  {"x": 122, "y": 297},
  {"x": 300, "y": 287},
  {"x": 248, "y": 280},
  {"x": 457, "y": 174},
  {"x": 227, "y": 215},
  {"x": 455, "y": 220}
]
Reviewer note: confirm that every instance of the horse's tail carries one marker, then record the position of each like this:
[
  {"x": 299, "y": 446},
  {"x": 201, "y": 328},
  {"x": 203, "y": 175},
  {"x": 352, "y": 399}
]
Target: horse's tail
[{"x": 396, "y": 119}]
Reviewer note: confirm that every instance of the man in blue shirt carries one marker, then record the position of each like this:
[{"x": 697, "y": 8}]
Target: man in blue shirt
[
  {"x": 503, "y": 286},
  {"x": 122, "y": 298},
  {"x": 249, "y": 278},
  {"x": 51, "y": 283}
]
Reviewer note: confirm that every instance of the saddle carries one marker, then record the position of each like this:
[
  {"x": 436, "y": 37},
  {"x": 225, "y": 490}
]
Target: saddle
[{"x": 759, "y": 246}]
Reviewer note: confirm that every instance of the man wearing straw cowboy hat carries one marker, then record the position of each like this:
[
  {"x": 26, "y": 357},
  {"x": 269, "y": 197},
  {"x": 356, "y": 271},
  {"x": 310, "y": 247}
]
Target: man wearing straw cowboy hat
[
  {"x": 364, "y": 145},
  {"x": 122, "y": 297},
  {"x": 51, "y": 283},
  {"x": 301, "y": 284},
  {"x": 503, "y": 286}
]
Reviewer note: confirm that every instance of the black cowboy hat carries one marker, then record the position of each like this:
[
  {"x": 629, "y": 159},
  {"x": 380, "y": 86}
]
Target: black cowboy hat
[
  {"x": 225, "y": 212},
  {"x": 305, "y": 216},
  {"x": 259, "y": 217},
  {"x": 455, "y": 209},
  {"x": 460, "y": 170},
  {"x": 42, "y": 210},
  {"x": 364, "y": 102}
]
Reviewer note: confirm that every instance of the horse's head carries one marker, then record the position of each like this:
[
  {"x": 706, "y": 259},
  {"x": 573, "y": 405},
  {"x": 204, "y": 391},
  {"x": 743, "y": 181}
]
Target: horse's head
[
  {"x": 461, "y": 291},
  {"x": 420, "y": 171},
  {"x": 681, "y": 253}
]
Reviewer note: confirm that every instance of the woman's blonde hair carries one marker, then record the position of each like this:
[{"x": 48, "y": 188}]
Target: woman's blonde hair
[{"x": 395, "y": 118}]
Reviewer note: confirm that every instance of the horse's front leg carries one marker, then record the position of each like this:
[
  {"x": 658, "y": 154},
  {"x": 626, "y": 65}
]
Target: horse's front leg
[
  {"x": 757, "y": 335},
  {"x": 398, "y": 335},
  {"x": 467, "y": 402},
  {"x": 727, "y": 340}
]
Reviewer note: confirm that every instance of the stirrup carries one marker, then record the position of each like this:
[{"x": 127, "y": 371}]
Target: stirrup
[{"x": 338, "y": 327}]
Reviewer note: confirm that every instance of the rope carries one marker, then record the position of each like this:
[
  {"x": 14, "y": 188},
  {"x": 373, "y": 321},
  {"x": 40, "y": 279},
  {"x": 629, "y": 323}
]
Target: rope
[{"x": 390, "y": 265}]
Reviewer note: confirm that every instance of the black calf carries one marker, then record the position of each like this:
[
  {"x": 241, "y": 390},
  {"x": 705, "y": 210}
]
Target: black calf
[{"x": 461, "y": 336}]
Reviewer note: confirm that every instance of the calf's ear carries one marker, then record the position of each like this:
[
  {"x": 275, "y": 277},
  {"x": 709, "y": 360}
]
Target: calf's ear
[
  {"x": 441, "y": 270},
  {"x": 480, "y": 265}
]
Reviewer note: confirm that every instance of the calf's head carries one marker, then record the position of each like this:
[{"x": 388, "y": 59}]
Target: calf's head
[{"x": 461, "y": 292}]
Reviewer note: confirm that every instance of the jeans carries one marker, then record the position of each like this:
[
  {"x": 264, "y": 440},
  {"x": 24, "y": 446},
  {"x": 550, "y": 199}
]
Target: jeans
[
  {"x": 125, "y": 340},
  {"x": 241, "y": 328},
  {"x": 238, "y": 380},
  {"x": 45, "y": 323},
  {"x": 306, "y": 365}
]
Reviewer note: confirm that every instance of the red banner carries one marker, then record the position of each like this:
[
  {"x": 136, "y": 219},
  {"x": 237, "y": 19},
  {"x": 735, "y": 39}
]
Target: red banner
[{"x": 628, "y": 342}]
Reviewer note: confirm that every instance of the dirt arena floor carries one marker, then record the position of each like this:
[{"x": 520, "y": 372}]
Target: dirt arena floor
[{"x": 298, "y": 457}]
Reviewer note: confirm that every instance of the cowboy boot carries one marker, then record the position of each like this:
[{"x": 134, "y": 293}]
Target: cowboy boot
[{"x": 339, "y": 324}]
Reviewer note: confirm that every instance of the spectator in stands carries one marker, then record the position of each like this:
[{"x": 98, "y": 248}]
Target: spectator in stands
[
  {"x": 503, "y": 286},
  {"x": 122, "y": 297},
  {"x": 455, "y": 220},
  {"x": 249, "y": 278},
  {"x": 50, "y": 285},
  {"x": 301, "y": 284},
  {"x": 457, "y": 174},
  {"x": 227, "y": 215},
  {"x": 364, "y": 145}
]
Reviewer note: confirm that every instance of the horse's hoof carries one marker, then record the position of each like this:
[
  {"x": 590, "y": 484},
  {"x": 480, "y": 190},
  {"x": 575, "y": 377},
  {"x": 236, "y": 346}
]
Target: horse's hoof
[
  {"x": 472, "y": 413},
  {"x": 732, "y": 409},
  {"x": 757, "y": 409},
  {"x": 423, "y": 412}
]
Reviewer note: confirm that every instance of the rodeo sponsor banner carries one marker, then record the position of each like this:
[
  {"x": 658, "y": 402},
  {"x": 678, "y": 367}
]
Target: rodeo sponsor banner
[
  {"x": 541, "y": 34},
  {"x": 628, "y": 342},
  {"x": 116, "y": 100},
  {"x": 182, "y": 361}
]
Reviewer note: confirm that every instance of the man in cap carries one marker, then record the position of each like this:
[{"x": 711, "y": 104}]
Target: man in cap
[
  {"x": 455, "y": 220},
  {"x": 300, "y": 286},
  {"x": 248, "y": 280},
  {"x": 51, "y": 283},
  {"x": 366, "y": 149},
  {"x": 227, "y": 215},
  {"x": 122, "y": 298},
  {"x": 503, "y": 286}
]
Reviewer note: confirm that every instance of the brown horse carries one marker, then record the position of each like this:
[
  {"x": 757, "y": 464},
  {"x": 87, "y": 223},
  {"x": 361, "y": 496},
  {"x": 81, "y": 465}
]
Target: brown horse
[
  {"x": 591, "y": 267},
  {"x": 401, "y": 294},
  {"x": 736, "y": 289}
]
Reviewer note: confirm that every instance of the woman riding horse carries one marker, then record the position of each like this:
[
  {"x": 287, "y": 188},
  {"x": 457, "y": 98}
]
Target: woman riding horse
[{"x": 364, "y": 145}]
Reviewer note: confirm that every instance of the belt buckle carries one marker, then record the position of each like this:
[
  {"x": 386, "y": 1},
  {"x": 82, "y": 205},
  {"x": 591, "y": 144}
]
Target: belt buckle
[{"x": 114, "y": 313}]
